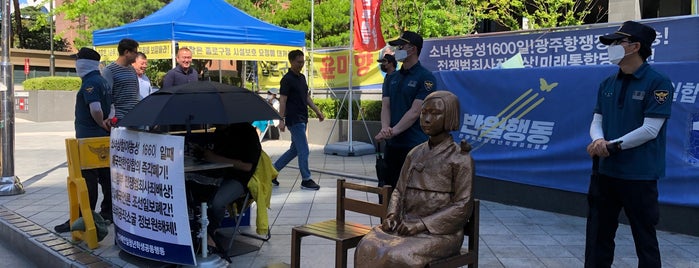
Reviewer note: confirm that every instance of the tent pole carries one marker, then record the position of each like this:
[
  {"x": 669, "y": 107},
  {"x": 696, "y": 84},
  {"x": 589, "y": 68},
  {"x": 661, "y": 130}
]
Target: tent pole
[
  {"x": 220, "y": 72},
  {"x": 174, "y": 54},
  {"x": 349, "y": 78},
  {"x": 312, "y": 40}
]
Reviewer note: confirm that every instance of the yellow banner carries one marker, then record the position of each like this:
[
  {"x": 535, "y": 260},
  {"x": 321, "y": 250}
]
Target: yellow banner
[
  {"x": 210, "y": 51},
  {"x": 153, "y": 50},
  {"x": 331, "y": 70},
  {"x": 255, "y": 52}
]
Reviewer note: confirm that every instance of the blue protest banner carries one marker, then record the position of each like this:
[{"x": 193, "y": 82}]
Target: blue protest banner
[
  {"x": 568, "y": 46},
  {"x": 531, "y": 125}
]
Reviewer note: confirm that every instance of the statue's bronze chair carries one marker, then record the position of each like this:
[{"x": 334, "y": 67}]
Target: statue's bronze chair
[{"x": 469, "y": 255}]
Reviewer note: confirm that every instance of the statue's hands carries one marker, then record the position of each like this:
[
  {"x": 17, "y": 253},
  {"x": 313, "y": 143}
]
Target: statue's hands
[
  {"x": 389, "y": 224},
  {"x": 411, "y": 227}
]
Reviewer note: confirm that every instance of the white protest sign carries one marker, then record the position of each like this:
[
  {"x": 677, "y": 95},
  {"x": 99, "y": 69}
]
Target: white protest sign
[{"x": 148, "y": 196}]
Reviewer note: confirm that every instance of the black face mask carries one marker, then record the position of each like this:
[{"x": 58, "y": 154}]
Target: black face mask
[{"x": 384, "y": 69}]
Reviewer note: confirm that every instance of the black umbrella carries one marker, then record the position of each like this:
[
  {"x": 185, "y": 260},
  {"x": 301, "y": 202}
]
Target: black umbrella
[{"x": 200, "y": 102}]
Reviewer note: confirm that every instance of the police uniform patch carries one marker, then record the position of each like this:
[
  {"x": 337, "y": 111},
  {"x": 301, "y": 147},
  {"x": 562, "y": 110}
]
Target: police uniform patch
[
  {"x": 428, "y": 85},
  {"x": 89, "y": 89},
  {"x": 661, "y": 95}
]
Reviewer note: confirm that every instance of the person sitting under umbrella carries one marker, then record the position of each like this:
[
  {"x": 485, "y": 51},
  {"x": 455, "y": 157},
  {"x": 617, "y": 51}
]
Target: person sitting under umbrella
[{"x": 236, "y": 144}]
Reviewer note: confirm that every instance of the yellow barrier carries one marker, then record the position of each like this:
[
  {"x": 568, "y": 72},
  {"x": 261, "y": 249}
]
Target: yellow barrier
[{"x": 86, "y": 153}]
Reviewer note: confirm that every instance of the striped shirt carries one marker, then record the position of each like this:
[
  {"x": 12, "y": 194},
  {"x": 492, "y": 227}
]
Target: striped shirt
[{"x": 124, "y": 83}]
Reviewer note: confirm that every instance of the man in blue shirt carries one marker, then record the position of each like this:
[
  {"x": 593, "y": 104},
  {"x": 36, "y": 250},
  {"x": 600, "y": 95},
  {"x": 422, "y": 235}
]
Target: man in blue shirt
[
  {"x": 183, "y": 73},
  {"x": 628, "y": 139},
  {"x": 93, "y": 111},
  {"x": 401, "y": 103},
  {"x": 293, "y": 105}
]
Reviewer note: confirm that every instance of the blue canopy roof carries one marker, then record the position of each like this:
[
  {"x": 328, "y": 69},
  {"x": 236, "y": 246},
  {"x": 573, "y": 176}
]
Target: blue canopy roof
[{"x": 212, "y": 21}]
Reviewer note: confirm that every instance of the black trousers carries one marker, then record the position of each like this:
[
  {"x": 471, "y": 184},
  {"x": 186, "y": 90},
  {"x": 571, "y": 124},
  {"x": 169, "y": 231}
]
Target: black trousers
[
  {"x": 395, "y": 156},
  {"x": 102, "y": 177},
  {"x": 639, "y": 199}
]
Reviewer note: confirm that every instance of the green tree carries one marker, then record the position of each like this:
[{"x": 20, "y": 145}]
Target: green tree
[
  {"x": 539, "y": 13},
  {"x": 93, "y": 15},
  {"x": 35, "y": 31},
  {"x": 431, "y": 18},
  {"x": 18, "y": 24}
]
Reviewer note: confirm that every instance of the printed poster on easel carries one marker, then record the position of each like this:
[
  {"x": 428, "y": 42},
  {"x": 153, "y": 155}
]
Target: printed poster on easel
[{"x": 148, "y": 196}]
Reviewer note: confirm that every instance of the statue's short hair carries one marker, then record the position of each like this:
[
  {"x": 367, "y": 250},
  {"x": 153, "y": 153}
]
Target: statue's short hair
[{"x": 452, "y": 108}]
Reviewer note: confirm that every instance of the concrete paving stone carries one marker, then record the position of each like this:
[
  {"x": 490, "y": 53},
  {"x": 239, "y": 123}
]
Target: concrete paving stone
[
  {"x": 526, "y": 229},
  {"x": 493, "y": 228},
  {"x": 291, "y": 221},
  {"x": 681, "y": 239},
  {"x": 578, "y": 251},
  {"x": 676, "y": 252},
  {"x": 680, "y": 263},
  {"x": 508, "y": 213},
  {"x": 516, "y": 221},
  {"x": 625, "y": 262},
  {"x": 570, "y": 239},
  {"x": 623, "y": 251},
  {"x": 561, "y": 229},
  {"x": 499, "y": 240},
  {"x": 561, "y": 262},
  {"x": 244, "y": 260},
  {"x": 536, "y": 239},
  {"x": 550, "y": 252},
  {"x": 521, "y": 262},
  {"x": 511, "y": 251},
  {"x": 483, "y": 250},
  {"x": 489, "y": 263}
]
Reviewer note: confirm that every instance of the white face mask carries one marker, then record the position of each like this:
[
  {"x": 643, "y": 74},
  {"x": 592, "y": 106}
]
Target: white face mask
[
  {"x": 401, "y": 55},
  {"x": 616, "y": 53}
]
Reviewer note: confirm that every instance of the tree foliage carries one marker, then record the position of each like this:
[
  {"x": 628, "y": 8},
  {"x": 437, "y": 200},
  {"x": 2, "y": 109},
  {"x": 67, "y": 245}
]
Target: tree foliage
[
  {"x": 35, "y": 31},
  {"x": 431, "y": 18},
  {"x": 539, "y": 13},
  {"x": 94, "y": 15}
]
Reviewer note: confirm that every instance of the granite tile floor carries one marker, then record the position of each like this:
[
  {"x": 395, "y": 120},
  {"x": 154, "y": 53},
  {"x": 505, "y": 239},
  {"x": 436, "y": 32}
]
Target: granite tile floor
[{"x": 510, "y": 236}]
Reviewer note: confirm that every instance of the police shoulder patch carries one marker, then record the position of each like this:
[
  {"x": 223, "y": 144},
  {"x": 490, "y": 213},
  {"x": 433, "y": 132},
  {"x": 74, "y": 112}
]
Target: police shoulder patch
[
  {"x": 89, "y": 89},
  {"x": 428, "y": 85},
  {"x": 661, "y": 95}
]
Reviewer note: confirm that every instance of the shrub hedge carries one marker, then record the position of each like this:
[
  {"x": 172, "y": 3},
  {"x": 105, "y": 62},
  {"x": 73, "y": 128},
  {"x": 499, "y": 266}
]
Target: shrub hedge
[
  {"x": 52, "y": 83},
  {"x": 330, "y": 108}
]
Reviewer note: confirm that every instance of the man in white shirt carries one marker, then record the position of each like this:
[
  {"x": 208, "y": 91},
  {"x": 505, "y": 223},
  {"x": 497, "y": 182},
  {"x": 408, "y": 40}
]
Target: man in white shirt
[{"x": 144, "y": 86}]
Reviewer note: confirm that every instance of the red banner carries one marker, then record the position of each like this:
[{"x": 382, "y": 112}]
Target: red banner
[{"x": 367, "y": 25}]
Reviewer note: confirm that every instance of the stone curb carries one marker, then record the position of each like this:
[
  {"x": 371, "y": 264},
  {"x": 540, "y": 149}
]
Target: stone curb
[{"x": 43, "y": 247}]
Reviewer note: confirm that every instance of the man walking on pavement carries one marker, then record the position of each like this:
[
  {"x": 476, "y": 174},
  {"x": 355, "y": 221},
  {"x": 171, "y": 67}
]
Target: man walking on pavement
[
  {"x": 293, "y": 106},
  {"x": 93, "y": 107}
]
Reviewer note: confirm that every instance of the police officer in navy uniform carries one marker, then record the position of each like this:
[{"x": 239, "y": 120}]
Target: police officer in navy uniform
[
  {"x": 628, "y": 136},
  {"x": 401, "y": 104},
  {"x": 93, "y": 113}
]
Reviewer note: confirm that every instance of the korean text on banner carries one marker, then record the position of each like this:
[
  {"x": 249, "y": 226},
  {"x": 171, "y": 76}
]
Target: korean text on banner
[
  {"x": 367, "y": 25},
  {"x": 148, "y": 190}
]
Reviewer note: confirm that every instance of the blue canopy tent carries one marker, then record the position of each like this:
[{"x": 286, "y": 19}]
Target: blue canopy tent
[{"x": 212, "y": 29}]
